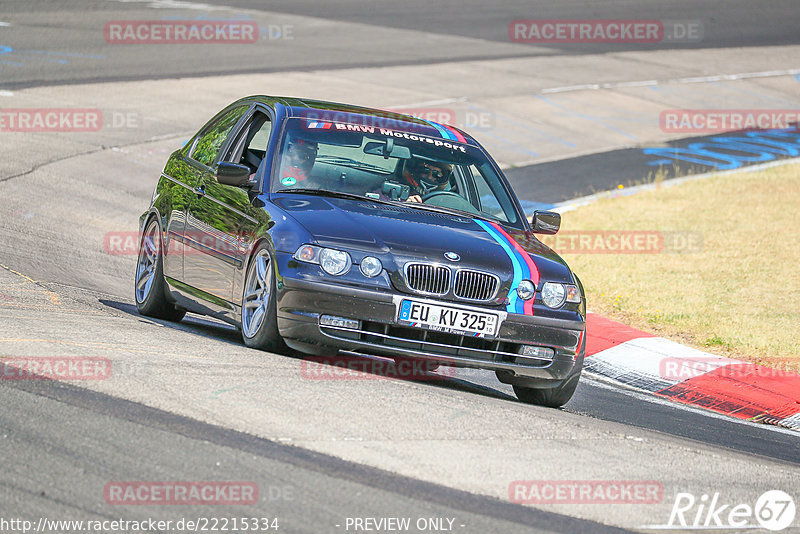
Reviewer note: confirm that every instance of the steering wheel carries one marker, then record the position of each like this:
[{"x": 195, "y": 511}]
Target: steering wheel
[
  {"x": 434, "y": 194},
  {"x": 448, "y": 199}
]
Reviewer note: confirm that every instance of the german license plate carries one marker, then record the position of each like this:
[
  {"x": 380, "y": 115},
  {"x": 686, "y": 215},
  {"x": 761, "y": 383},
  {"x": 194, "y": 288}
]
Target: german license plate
[{"x": 447, "y": 319}]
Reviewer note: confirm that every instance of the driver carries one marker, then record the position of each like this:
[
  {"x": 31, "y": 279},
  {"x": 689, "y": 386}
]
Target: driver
[
  {"x": 298, "y": 159},
  {"x": 425, "y": 177}
]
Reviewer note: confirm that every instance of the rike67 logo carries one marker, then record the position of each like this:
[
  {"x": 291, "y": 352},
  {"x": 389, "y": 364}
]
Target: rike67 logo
[{"x": 774, "y": 510}]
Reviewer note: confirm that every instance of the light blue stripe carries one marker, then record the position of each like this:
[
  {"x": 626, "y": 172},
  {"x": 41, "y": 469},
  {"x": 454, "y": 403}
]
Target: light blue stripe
[
  {"x": 444, "y": 132},
  {"x": 513, "y": 300}
]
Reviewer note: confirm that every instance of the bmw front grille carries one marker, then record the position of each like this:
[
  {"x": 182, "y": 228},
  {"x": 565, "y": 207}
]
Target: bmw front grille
[{"x": 434, "y": 279}]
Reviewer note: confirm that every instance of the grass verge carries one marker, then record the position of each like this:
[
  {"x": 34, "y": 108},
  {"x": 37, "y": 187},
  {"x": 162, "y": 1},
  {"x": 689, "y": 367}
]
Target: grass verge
[{"x": 712, "y": 263}]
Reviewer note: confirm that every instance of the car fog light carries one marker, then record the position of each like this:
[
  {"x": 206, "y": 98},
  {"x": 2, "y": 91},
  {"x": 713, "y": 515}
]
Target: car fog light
[
  {"x": 553, "y": 294},
  {"x": 371, "y": 267},
  {"x": 538, "y": 352},
  {"x": 334, "y": 262},
  {"x": 340, "y": 322},
  {"x": 526, "y": 290}
]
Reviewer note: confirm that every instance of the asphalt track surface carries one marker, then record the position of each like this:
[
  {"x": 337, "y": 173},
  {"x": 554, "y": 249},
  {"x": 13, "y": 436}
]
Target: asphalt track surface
[
  {"x": 558, "y": 181},
  {"x": 305, "y": 35},
  {"x": 67, "y": 441},
  {"x": 735, "y": 23}
]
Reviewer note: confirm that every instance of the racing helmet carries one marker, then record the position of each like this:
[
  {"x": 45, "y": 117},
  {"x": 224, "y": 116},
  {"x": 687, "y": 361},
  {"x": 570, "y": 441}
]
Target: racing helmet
[
  {"x": 426, "y": 175},
  {"x": 299, "y": 158}
]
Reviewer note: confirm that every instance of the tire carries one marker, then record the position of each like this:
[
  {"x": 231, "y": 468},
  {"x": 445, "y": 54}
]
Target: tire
[
  {"x": 149, "y": 286},
  {"x": 259, "y": 316},
  {"x": 553, "y": 398}
]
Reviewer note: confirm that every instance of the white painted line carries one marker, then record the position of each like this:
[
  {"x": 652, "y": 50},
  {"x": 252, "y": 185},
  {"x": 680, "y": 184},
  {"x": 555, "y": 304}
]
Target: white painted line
[
  {"x": 692, "y": 79},
  {"x": 172, "y": 4},
  {"x": 654, "y": 363},
  {"x": 792, "y": 422},
  {"x": 4, "y": 24},
  {"x": 740, "y": 76},
  {"x": 569, "y": 205},
  {"x": 643, "y": 83},
  {"x": 6, "y": 93},
  {"x": 569, "y": 88}
]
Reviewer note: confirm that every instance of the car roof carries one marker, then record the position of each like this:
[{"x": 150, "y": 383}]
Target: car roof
[{"x": 338, "y": 112}]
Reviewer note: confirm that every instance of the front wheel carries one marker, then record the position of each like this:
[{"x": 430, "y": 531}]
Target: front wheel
[
  {"x": 553, "y": 397},
  {"x": 259, "y": 307},
  {"x": 150, "y": 288}
]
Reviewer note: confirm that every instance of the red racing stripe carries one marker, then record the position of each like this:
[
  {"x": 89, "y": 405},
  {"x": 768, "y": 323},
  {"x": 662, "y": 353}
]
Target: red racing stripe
[
  {"x": 528, "y": 304},
  {"x": 455, "y": 132}
]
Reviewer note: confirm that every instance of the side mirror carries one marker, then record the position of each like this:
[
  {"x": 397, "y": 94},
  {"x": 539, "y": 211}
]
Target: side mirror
[
  {"x": 545, "y": 222},
  {"x": 233, "y": 174}
]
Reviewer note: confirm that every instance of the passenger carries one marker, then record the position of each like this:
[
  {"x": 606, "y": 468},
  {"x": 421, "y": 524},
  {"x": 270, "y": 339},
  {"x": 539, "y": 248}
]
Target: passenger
[{"x": 298, "y": 160}]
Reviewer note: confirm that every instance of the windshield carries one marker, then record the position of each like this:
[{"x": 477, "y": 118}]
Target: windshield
[{"x": 383, "y": 164}]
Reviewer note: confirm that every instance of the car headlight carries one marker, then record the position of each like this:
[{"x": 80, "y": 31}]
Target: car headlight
[
  {"x": 334, "y": 262},
  {"x": 554, "y": 295},
  {"x": 371, "y": 267},
  {"x": 526, "y": 290}
]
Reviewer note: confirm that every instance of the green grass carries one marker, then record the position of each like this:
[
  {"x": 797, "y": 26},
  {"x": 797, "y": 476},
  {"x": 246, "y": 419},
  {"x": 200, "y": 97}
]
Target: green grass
[{"x": 737, "y": 293}]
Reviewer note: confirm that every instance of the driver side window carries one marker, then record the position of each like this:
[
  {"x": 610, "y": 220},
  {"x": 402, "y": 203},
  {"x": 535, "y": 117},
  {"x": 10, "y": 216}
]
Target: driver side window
[
  {"x": 211, "y": 140},
  {"x": 251, "y": 146}
]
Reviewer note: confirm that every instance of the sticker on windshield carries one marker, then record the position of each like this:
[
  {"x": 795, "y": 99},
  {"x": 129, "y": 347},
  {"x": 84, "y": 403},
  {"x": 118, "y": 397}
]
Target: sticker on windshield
[
  {"x": 337, "y": 126},
  {"x": 421, "y": 138},
  {"x": 289, "y": 181}
]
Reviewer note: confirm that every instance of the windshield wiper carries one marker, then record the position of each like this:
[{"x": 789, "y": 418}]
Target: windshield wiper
[{"x": 332, "y": 194}]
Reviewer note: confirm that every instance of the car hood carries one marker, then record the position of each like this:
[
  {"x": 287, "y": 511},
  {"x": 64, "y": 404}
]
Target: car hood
[{"x": 399, "y": 234}]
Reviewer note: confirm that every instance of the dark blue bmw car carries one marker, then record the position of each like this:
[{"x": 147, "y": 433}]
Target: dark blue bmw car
[{"x": 334, "y": 229}]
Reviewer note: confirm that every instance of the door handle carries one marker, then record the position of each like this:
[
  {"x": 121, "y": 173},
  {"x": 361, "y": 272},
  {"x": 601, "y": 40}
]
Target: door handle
[{"x": 200, "y": 191}]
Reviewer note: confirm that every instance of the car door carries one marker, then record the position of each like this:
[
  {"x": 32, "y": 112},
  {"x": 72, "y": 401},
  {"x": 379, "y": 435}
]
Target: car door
[
  {"x": 220, "y": 212},
  {"x": 175, "y": 193},
  {"x": 207, "y": 221}
]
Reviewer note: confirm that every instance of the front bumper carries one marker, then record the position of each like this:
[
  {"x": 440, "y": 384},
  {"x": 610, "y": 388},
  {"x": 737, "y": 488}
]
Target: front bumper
[{"x": 301, "y": 302}]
